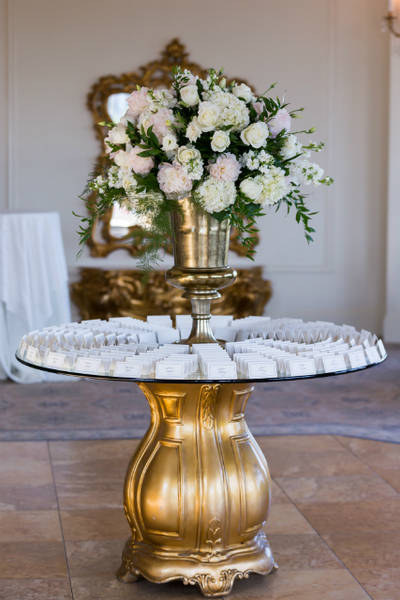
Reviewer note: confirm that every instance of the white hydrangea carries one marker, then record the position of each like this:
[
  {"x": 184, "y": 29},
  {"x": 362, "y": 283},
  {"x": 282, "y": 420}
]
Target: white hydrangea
[
  {"x": 255, "y": 161},
  {"x": 274, "y": 186},
  {"x": 233, "y": 111},
  {"x": 303, "y": 171},
  {"x": 291, "y": 147},
  {"x": 216, "y": 195},
  {"x": 160, "y": 99}
]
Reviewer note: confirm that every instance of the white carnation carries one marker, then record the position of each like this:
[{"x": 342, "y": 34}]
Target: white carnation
[
  {"x": 216, "y": 195},
  {"x": 193, "y": 131},
  {"x": 169, "y": 142}
]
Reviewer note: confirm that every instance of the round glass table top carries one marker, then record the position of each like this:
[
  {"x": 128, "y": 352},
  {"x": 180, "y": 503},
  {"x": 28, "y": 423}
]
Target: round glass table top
[{"x": 256, "y": 349}]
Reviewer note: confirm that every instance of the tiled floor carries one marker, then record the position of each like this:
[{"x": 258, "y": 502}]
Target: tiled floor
[{"x": 334, "y": 526}]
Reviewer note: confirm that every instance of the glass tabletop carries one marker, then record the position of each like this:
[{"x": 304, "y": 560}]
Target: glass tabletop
[{"x": 197, "y": 377}]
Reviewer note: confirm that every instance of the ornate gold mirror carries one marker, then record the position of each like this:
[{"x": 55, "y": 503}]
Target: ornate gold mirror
[{"x": 107, "y": 103}]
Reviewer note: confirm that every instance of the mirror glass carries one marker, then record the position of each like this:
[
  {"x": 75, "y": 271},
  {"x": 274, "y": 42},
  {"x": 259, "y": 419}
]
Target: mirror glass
[
  {"x": 117, "y": 106},
  {"x": 121, "y": 220}
]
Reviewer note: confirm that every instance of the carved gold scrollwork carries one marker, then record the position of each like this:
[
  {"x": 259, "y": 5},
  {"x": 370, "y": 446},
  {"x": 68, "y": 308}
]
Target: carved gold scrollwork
[
  {"x": 208, "y": 397},
  {"x": 213, "y": 538},
  {"x": 210, "y": 586}
]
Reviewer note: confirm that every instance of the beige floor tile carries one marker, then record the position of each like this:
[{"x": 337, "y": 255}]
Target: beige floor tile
[
  {"x": 32, "y": 560},
  {"x": 302, "y": 552},
  {"x": 286, "y": 519},
  {"x": 24, "y": 463},
  {"x": 28, "y": 497},
  {"x": 382, "y": 454},
  {"x": 96, "y": 524},
  {"x": 340, "y": 488},
  {"x": 75, "y": 496},
  {"x": 86, "y": 450},
  {"x": 380, "y": 584},
  {"x": 93, "y": 558},
  {"x": 345, "y": 517},
  {"x": 35, "y": 589},
  {"x": 307, "y": 456},
  {"x": 277, "y": 495},
  {"x": 377, "y": 550},
  {"x": 30, "y": 526},
  {"x": 326, "y": 584}
]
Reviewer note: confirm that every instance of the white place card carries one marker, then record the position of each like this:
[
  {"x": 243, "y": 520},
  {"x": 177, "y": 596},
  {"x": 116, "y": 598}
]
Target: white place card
[
  {"x": 357, "y": 359},
  {"x": 32, "y": 354},
  {"x": 170, "y": 371},
  {"x": 23, "y": 348},
  {"x": 55, "y": 360},
  {"x": 88, "y": 365},
  {"x": 334, "y": 363},
  {"x": 222, "y": 371},
  {"x": 298, "y": 368},
  {"x": 123, "y": 369},
  {"x": 262, "y": 369},
  {"x": 381, "y": 348},
  {"x": 373, "y": 355}
]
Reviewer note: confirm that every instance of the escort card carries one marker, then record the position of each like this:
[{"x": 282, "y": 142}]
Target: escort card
[
  {"x": 357, "y": 359},
  {"x": 55, "y": 360},
  {"x": 334, "y": 363},
  {"x": 222, "y": 371},
  {"x": 298, "y": 368},
  {"x": 372, "y": 354},
  {"x": 88, "y": 365},
  {"x": 381, "y": 348},
  {"x": 168, "y": 371},
  {"x": 123, "y": 369},
  {"x": 262, "y": 369},
  {"x": 32, "y": 354},
  {"x": 23, "y": 348}
]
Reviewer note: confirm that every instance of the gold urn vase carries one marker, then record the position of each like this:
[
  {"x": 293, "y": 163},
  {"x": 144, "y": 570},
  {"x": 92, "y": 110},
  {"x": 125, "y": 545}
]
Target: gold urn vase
[{"x": 201, "y": 248}]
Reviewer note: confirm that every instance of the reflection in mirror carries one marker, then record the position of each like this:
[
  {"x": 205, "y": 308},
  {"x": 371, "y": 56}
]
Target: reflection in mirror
[
  {"x": 121, "y": 220},
  {"x": 117, "y": 106}
]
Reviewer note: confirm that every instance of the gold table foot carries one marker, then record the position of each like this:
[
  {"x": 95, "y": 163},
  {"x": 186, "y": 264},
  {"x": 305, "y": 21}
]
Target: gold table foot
[{"x": 197, "y": 491}]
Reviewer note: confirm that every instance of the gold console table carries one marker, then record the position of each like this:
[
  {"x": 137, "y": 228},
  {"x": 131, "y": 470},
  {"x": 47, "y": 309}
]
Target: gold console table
[{"x": 103, "y": 294}]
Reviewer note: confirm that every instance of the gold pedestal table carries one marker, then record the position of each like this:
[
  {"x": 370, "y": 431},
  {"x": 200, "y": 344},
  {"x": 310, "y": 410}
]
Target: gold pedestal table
[{"x": 197, "y": 490}]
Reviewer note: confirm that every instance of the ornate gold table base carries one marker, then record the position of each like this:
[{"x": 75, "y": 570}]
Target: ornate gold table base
[{"x": 197, "y": 490}]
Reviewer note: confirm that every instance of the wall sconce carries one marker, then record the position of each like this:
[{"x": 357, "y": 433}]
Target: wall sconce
[{"x": 391, "y": 17}]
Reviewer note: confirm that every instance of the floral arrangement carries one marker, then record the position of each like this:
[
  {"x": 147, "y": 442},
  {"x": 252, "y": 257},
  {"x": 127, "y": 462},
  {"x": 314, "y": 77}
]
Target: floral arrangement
[{"x": 229, "y": 150}]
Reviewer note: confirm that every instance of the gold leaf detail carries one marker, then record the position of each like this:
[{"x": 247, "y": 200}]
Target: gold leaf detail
[
  {"x": 209, "y": 395},
  {"x": 210, "y": 586},
  {"x": 213, "y": 538}
]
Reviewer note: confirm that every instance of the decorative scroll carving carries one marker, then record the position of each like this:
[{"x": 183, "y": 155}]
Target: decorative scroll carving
[
  {"x": 104, "y": 294},
  {"x": 213, "y": 538},
  {"x": 213, "y": 587},
  {"x": 155, "y": 74},
  {"x": 208, "y": 397}
]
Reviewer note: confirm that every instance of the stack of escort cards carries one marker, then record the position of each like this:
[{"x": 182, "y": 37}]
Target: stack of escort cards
[{"x": 255, "y": 348}]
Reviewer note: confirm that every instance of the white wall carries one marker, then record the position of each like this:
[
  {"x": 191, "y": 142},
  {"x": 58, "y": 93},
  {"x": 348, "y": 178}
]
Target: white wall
[{"x": 329, "y": 55}]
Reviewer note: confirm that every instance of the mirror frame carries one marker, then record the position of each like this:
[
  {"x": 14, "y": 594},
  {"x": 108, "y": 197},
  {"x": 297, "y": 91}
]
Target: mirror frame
[{"x": 156, "y": 73}]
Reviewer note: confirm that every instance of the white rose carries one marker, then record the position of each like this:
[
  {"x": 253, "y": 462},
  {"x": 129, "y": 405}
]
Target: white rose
[
  {"x": 220, "y": 141},
  {"x": 190, "y": 95},
  {"x": 251, "y": 188},
  {"x": 193, "y": 131},
  {"x": 186, "y": 154},
  {"x": 123, "y": 159},
  {"x": 208, "y": 115},
  {"x": 169, "y": 142},
  {"x": 242, "y": 91},
  {"x": 255, "y": 135},
  {"x": 117, "y": 135}
]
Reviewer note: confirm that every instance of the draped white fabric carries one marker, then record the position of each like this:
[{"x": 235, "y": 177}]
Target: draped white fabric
[{"x": 33, "y": 286}]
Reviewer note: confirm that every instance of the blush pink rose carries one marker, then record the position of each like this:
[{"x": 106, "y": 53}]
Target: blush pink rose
[
  {"x": 282, "y": 120},
  {"x": 140, "y": 164},
  {"x": 138, "y": 102},
  {"x": 173, "y": 179},
  {"x": 225, "y": 168}
]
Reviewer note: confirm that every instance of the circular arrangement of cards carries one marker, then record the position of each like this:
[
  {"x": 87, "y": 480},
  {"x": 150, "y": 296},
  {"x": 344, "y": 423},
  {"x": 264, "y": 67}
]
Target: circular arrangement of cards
[{"x": 254, "y": 348}]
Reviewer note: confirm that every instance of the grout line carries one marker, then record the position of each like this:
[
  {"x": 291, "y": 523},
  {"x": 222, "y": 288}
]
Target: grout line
[
  {"x": 321, "y": 538},
  {"x": 368, "y": 465},
  {"x": 60, "y": 521}
]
